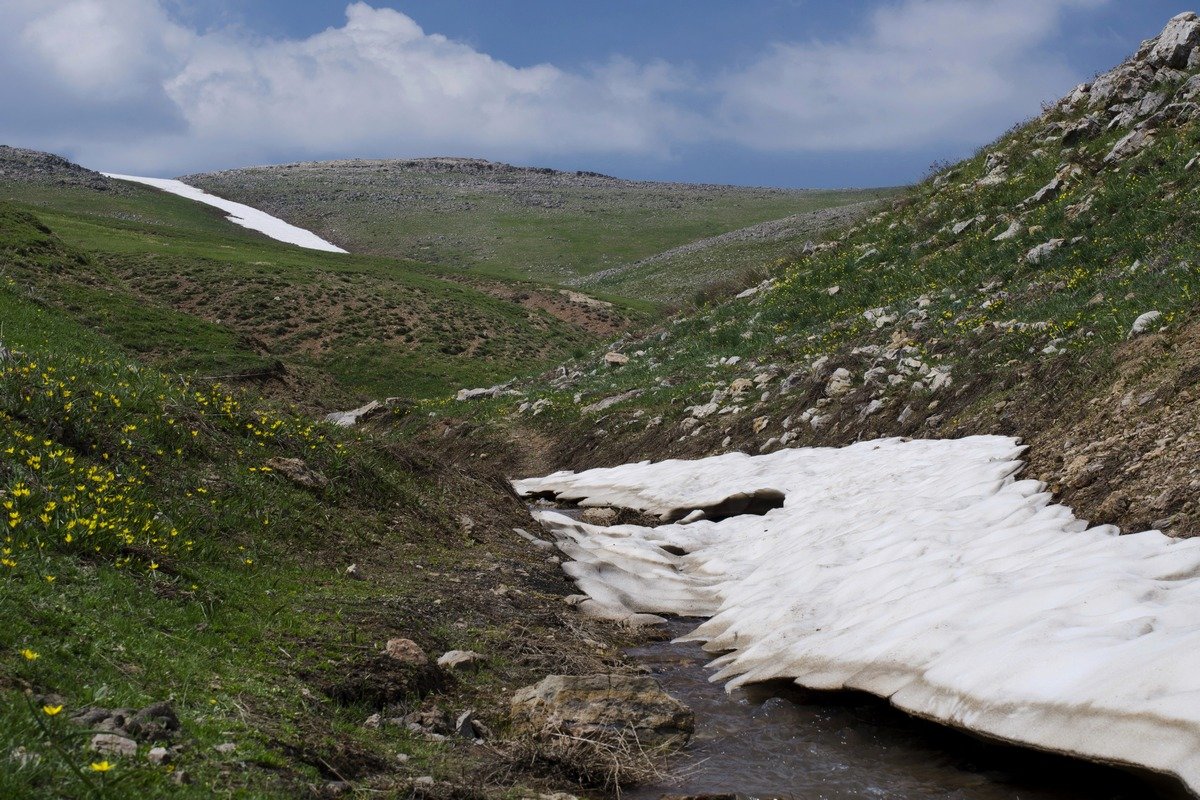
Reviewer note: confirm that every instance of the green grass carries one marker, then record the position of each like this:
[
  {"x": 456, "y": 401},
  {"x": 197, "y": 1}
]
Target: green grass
[
  {"x": 148, "y": 553},
  {"x": 964, "y": 302},
  {"x": 555, "y": 229},
  {"x": 174, "y": 282}
]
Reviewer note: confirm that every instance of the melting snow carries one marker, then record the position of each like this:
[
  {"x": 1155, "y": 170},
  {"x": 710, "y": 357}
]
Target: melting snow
[
  {"x": 240, "y": 214},
  {"x": 919, "y": 571}
]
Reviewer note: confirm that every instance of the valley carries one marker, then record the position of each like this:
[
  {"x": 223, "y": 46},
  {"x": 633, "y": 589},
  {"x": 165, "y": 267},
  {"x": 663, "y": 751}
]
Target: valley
[{"x": 965, "y": 411}]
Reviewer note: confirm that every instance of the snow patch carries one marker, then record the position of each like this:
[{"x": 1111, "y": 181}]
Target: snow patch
[
  {"x": 919, "y": 571},
  {"x": 239, "y": 214}
]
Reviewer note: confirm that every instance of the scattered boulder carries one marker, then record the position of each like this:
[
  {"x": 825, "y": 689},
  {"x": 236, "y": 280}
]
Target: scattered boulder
[
  {"x": 1145, "y": 322},
  {"x": 609, "y": 402},
  {"x": 348, "y": 419},
  {"x": 1013, "y": 231},
  {"x": 1129, "y": 145},
  {"x": 615, "y": 359},
  {"x": 298, "y": 472},
  {"x": 840, "y": 383},
  {"x": 601, "y": 706},
  {"x": 1086, "y": 128},
  {"x": 459, "y": 659},
  {"x": 476, "y": 394},
  {"x": 406, "y": 651},
  {"x": 1043, "y": 251},
  {"x": 112, "y": 744}
]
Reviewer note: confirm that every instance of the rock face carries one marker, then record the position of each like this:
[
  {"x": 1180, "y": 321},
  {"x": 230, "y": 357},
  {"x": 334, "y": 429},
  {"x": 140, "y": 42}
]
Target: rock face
[
  {"x": 1176, "y": 42},
  {"x": 601, "y": 706}
]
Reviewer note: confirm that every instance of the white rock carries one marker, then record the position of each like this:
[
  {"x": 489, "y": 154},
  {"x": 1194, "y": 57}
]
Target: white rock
[
  {"x": 839, "y": 383},
  {"x": 347, "y": 419},
  {"x": 1043, "y": 251},
  {"x": 457, "y": 659},
  {"x": 1145, "y": 322},
  {"x": 1176, "y": 42}
]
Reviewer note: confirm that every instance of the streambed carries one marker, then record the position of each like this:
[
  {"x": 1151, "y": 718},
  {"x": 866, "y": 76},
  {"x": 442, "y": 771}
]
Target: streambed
[{"x": 778, "y": 741}]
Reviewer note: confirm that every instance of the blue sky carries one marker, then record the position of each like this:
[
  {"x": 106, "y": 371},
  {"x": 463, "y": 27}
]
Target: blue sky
[{"x": 766, "y": 92}]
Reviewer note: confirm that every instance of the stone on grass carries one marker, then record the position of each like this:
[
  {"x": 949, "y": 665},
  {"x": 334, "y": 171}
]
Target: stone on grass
[
  {"x": 298, "y": 472},
  {"x": 1145, "y": 322},
  {"x": 112, "y": 744},
  {"x": 458, "y": 659},
  {"x": 1043, "y": 251},
  {"x": 406, "y": 651}
]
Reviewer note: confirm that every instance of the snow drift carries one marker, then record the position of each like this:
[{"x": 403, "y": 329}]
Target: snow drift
[
  {"x": 919, "y": 571},
  {"x": 239, "y": 214}
]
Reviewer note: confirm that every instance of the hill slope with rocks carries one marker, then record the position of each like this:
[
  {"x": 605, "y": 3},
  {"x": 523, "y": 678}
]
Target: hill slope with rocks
[
  {"x": 525, "y": 222},
  {"x": 1046, "y": 288}
]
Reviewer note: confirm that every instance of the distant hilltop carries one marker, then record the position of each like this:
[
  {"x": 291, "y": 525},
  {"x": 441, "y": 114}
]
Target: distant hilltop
[{"x": 18, "y": 165}]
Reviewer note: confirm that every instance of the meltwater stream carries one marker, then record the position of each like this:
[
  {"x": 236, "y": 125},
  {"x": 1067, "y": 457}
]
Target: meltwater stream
[{"x": 778, "y": 741}]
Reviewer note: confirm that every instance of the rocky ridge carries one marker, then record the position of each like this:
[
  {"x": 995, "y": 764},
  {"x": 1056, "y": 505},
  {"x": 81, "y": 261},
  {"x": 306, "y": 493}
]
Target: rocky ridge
[{"x": 18, "y": 165}]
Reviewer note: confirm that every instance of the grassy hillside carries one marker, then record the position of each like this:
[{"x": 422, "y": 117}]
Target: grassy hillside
[
  {"x": 542, "y": 224},
  {"x": 1002, "y": 295},
  {"x": 723, "y": 264},
  {"x": 174, "y": 282},
  {"x": 178, "y": 542}
]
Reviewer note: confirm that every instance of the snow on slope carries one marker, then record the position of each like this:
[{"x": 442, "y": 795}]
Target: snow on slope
[
  {"x": 919, "y": 571},
  {"x": 240, "y": 214}
]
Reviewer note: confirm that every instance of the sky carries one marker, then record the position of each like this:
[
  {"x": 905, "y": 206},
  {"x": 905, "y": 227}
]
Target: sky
[{"x": 794, "y": 93}]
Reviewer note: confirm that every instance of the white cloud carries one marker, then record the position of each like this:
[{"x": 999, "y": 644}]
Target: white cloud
[
  {"x": 119, "y": 84},
  {"x": 920, "y": 72}
]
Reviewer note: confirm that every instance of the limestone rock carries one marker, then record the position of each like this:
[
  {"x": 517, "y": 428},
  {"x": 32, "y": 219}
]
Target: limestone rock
[
  {"x": 839, "y": 383},
  {"x": 601, "y": 706},
  {"x": 1145, "y": 322},
  {"x": 298, "y": 472},
  {"x": 459, "y": 659},
  {"x": 348, "y": 419},
  {"x": 406, "y": 651},
  {"x": 1129, "y": 145},
  {"x": 1043, "y": 251},
  {"x": 609, "y": 402},
  {"x": 1012, "y": 232},
  {"x": 1176, "y": 42}
]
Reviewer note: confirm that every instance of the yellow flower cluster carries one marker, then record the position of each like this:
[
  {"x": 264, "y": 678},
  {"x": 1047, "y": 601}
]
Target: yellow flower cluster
[{"x": 86, "y": 444}]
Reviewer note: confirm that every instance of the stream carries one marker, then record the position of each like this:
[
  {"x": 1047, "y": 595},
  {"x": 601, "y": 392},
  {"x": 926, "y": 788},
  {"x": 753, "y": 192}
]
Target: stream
[{"x": 780, "y": 741}]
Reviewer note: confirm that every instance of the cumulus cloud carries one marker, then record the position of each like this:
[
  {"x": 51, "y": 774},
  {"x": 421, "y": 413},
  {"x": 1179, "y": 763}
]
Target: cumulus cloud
[
  {"x": 120, "y": 84},
  {"x": 920, "y": 72}
]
